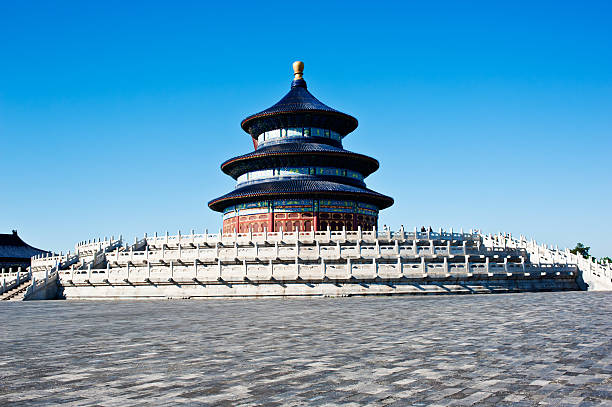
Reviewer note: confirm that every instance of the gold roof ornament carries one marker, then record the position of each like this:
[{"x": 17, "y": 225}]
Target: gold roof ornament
[{"x": 298, "y": 70}]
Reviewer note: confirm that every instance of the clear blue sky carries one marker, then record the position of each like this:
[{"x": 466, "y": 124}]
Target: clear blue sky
[{"x": 114, "y": 118}]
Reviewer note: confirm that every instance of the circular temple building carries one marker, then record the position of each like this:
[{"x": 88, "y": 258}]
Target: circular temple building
[{"x": 299, "y": 177}]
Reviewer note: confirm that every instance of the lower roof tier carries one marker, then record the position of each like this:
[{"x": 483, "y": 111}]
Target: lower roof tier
[
  {"x": 300, "y": 188},
  {"x": 298, "y": 154}
]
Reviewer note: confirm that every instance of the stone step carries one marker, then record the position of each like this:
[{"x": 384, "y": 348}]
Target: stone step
[{"x": 14, "y": 293}]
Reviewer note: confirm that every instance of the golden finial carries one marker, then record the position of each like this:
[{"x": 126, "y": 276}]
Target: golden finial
[{"x": 298, "y": 70}]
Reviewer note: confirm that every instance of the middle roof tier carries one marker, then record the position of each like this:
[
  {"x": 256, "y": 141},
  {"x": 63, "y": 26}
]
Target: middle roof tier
[{"x": 299, "y": 154}]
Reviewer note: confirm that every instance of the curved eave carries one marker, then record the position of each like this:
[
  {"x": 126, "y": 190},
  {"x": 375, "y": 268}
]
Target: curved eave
[
  {"x": 236, "y": 166},
  {"x": 266, "y": 121},
  {"x": 12, "y": 246},
  {"x": 320, "y": 190}
]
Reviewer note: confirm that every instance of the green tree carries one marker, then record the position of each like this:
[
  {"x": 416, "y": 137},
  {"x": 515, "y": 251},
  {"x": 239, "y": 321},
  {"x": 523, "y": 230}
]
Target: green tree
[
  {"x": 606, "y": 259},
  {"x": 581, "y": 250}
]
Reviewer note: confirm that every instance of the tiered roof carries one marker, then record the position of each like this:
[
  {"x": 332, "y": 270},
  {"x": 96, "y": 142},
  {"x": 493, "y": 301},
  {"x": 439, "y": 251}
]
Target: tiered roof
[{"x": 299, "y": 108}]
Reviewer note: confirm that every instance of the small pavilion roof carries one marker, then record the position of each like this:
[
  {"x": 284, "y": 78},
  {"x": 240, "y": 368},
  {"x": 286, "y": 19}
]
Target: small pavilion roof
[{"x": 11, "y": 246}]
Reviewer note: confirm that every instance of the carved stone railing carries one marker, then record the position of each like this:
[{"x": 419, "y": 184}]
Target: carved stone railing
[
  {"x": 12, "y": 279},
  {"x": 592, "y": 275},
  {"x": 208, "y": 239},
  {"x": 307, "y": 271},
  {"x": 309, "y": 254}
]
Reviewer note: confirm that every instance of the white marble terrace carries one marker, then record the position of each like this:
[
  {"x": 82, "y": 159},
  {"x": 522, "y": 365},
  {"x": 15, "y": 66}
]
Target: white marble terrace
[{"x": 321, "y": 255}]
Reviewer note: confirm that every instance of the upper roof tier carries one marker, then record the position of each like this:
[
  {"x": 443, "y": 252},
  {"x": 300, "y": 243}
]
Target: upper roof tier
[{"x": 299, "y": 108}]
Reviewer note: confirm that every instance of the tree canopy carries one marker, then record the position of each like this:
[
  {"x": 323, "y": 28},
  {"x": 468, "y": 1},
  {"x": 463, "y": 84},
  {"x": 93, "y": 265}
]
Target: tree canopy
[{"x": 581, "y": 250}]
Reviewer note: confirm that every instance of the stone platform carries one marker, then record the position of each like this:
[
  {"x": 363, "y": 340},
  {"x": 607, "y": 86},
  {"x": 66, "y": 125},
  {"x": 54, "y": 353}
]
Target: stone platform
[
  {"x": 544, "y": 349},
  {"x": 335, "y": 287},
  {"x": 314, "y": 263}
]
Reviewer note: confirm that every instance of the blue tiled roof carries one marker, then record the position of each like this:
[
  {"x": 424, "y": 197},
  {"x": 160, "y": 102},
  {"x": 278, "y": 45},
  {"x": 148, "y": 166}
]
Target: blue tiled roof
[
  {"x": 310, "y": 188},
  {"x": 299, "y": 108},
  {"x": 305, "y": 152},
  {"x": 11, "y": 246}
]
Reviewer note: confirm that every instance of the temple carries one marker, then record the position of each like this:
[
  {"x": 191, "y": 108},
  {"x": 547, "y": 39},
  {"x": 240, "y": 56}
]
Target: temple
[
  {"x": 301, "y": 222},
  {"x": 299, "y": 177}
]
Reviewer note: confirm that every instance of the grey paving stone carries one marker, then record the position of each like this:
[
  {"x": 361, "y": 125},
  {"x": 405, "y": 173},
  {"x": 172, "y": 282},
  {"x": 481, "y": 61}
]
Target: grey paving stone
[{"x": 491, "y": 350}]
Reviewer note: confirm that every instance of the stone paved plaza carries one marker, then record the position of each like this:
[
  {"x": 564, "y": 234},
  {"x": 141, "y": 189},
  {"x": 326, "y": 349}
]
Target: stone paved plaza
[{"x": 514, "y": 349}]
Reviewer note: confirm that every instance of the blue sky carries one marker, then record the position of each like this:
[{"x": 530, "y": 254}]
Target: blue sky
[{"x": 114, "y": 118}]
